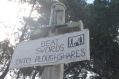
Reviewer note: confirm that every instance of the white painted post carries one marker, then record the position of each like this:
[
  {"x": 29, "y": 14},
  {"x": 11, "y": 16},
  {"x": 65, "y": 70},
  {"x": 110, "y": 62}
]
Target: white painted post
[
  {"x": 53, "y": 72},
  {"x": 57, "y": 14},
  {"x": 57, "y": 18}
]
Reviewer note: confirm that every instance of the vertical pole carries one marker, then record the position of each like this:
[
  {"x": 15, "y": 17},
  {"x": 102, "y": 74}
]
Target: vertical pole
[
  {"x": 57, "y": 18},
  {"x": 53, "y": 72},
  {"x": 57, "y": 14}
]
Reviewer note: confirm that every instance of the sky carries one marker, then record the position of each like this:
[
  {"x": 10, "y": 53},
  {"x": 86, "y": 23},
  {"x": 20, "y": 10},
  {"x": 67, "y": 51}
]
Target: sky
[
  {"x": 90, "y": 1},
  {"x": 11, "y": 18}
]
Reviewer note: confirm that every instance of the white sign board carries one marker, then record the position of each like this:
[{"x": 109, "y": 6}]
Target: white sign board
[{"x": 66, "y": 48}]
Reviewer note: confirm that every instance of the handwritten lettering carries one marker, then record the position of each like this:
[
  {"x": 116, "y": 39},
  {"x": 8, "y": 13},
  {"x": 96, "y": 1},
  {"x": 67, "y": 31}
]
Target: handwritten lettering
[
  {"x": 60, "y": 56},
  {"x": 23, "y": 61},
  {"x": 50, "y": 46}
]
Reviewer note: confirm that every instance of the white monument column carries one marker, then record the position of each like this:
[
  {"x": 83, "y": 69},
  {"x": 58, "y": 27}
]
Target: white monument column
[{"x": 57, "y": 18}]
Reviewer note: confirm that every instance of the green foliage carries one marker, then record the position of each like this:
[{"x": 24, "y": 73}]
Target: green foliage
[
  {"x": 75, "y": 9},
  {"x": 103, "y": 24},
  {"x": 26, "y": 71},
  {"x": 102, "y": 19}
]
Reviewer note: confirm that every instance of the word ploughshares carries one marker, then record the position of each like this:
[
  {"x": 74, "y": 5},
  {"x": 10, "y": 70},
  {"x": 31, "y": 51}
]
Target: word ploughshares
[{"x": 66, "y": 48}]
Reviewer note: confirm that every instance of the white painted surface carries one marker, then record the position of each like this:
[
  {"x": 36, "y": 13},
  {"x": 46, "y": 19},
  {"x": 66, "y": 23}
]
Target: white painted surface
[
  {"x": 52, "y": 50},
  {"x": 53, "y": 72},
  {"x": 57, "y": 14}
]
